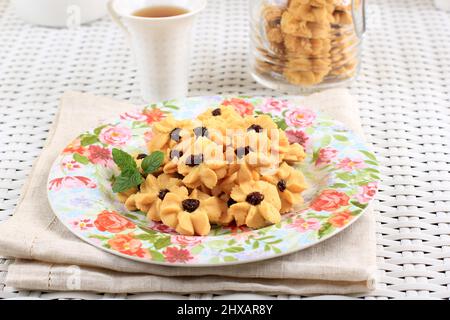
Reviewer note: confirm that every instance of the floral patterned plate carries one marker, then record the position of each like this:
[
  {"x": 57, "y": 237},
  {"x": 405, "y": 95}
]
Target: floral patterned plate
[{"x": 342, "y": 174}]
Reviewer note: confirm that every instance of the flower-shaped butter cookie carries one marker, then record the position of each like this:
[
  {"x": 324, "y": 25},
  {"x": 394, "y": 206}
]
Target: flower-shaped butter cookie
[
  {"x": 203, "y": 164},
  {"x": 272, "y": 18},
  {"x": 307, "y": 47},
  {"x": 184, "y": 213},
  {"x": 217, "y": 123},
  {"x": 168, "y": 132},
  {"x": 289, "y": 152},
  {"x": 256, "y": 136},
  {"x": 290, "y": 24},
  {"x": 130, "y": 202},
  {"x": 290, "y": 183},
  {"x": 238, "y": 173},
  {"x": 253, "y": 142},
  {"x": 245, "y": 156},
  {"x": 257, "y": 204},
  {"x": 341, "y": 16},
  {"x": 188, "y": 145},
  {"x": 307, "y": 71},
  {"x": 153, "y": 191},
  {"x": 221, "y": 117},
  {"x": 208, "y": 129},
  {"x": 215, "y": 207},
  {"x": 123, "y": 196},
  {"x": 316, "y": 3},
  {"x": 225, "y": 185},
  {"x": 308, "y": 12},
  {"x": 172, "y": 156},
  {"x": 260, "y": 124}
]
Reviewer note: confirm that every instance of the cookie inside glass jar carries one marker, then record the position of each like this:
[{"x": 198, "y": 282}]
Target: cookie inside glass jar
[{"x": 305, "y": 43}]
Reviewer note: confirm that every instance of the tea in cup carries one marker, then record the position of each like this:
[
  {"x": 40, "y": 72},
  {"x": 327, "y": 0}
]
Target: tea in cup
[{"x": 159, "y": 33}]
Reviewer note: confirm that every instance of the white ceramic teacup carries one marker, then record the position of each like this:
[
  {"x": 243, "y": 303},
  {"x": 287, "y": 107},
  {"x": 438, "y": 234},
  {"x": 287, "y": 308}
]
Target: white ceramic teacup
[
  {"x": 160, "y": 45},
  {"x": 442, "y": 4},
  {"x": 59, "y": 13}
]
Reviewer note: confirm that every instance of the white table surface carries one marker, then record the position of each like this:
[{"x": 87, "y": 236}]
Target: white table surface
[{"x": 403, "y": 91}]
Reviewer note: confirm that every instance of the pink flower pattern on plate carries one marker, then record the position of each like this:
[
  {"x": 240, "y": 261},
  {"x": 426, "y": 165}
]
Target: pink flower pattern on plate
[
  {"x": 300, "y": 117},
  {"x": 115, "y": 136},
  {"x": 367, "y": 192},
  {"x": 274, "y": 105},
  {"x": 82, "y": 224},
  {"x": 297, "y": 136},
  {"x": 302, "y": 225},
  {"x": 326, "y": 155},
  {"x": 71, "y": 165},
  {"x": 240, "y": 105},
  {"x": 348, "y": 164},
  {"x": 133, "y": 115},
  {"x": 159, "y": 226},
  {"x": 71, "y": 182},
  {"x": 186, "y": 240},
  {"x": 173, "y": 254},
  {"x": 100, "y": 155}
]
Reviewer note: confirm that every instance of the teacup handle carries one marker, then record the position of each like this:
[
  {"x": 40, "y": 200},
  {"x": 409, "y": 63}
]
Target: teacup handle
[{"x": 116, "y": 18}]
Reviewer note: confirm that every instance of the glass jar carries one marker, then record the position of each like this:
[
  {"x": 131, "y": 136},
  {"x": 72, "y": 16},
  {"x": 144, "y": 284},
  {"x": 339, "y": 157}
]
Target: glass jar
[{"x": 302, "y": 46}]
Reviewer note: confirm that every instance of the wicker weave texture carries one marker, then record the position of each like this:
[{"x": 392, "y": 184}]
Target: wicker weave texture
[{"x": 403, "y": 91}]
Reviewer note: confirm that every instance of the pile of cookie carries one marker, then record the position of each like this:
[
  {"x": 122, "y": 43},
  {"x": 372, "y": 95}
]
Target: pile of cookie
[
  {"x": 309, "y": 41},
  {"x": 219, "y": 168}
]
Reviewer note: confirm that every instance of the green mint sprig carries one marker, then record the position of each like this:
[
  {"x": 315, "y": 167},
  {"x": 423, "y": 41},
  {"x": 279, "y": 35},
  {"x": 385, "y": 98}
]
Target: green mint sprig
[
  {"x": 123, "y": 160},
  {"x": 129, "y": 173},
  {"x": 152, "y": 162}
]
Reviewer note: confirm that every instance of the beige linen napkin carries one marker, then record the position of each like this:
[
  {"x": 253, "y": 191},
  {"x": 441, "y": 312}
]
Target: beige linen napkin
[{"x": 50, "y": 257}]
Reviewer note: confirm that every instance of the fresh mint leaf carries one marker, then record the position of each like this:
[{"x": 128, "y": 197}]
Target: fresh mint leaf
[
  {"x": 152, "y": 162},
  {"x": 123, "y": 160},
  {"x": 120, "y": 184},
  {"x": 130, "y": 176},
  {"x": 127, "y": 180}
]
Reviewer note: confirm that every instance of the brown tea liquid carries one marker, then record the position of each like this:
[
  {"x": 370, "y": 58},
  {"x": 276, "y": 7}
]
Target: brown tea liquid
[{"x": 160, "y": 12}]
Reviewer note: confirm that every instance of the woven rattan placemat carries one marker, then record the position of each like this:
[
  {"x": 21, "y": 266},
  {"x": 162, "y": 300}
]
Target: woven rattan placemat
[{"x": 403, "y": 92}]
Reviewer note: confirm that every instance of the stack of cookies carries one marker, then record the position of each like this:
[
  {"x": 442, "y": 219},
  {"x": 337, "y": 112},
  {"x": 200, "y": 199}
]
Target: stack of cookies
[
  {"x": 344, "y": 42},
  {"x": 309, "y": 41},
  {"x": 219, "y": 168}
]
